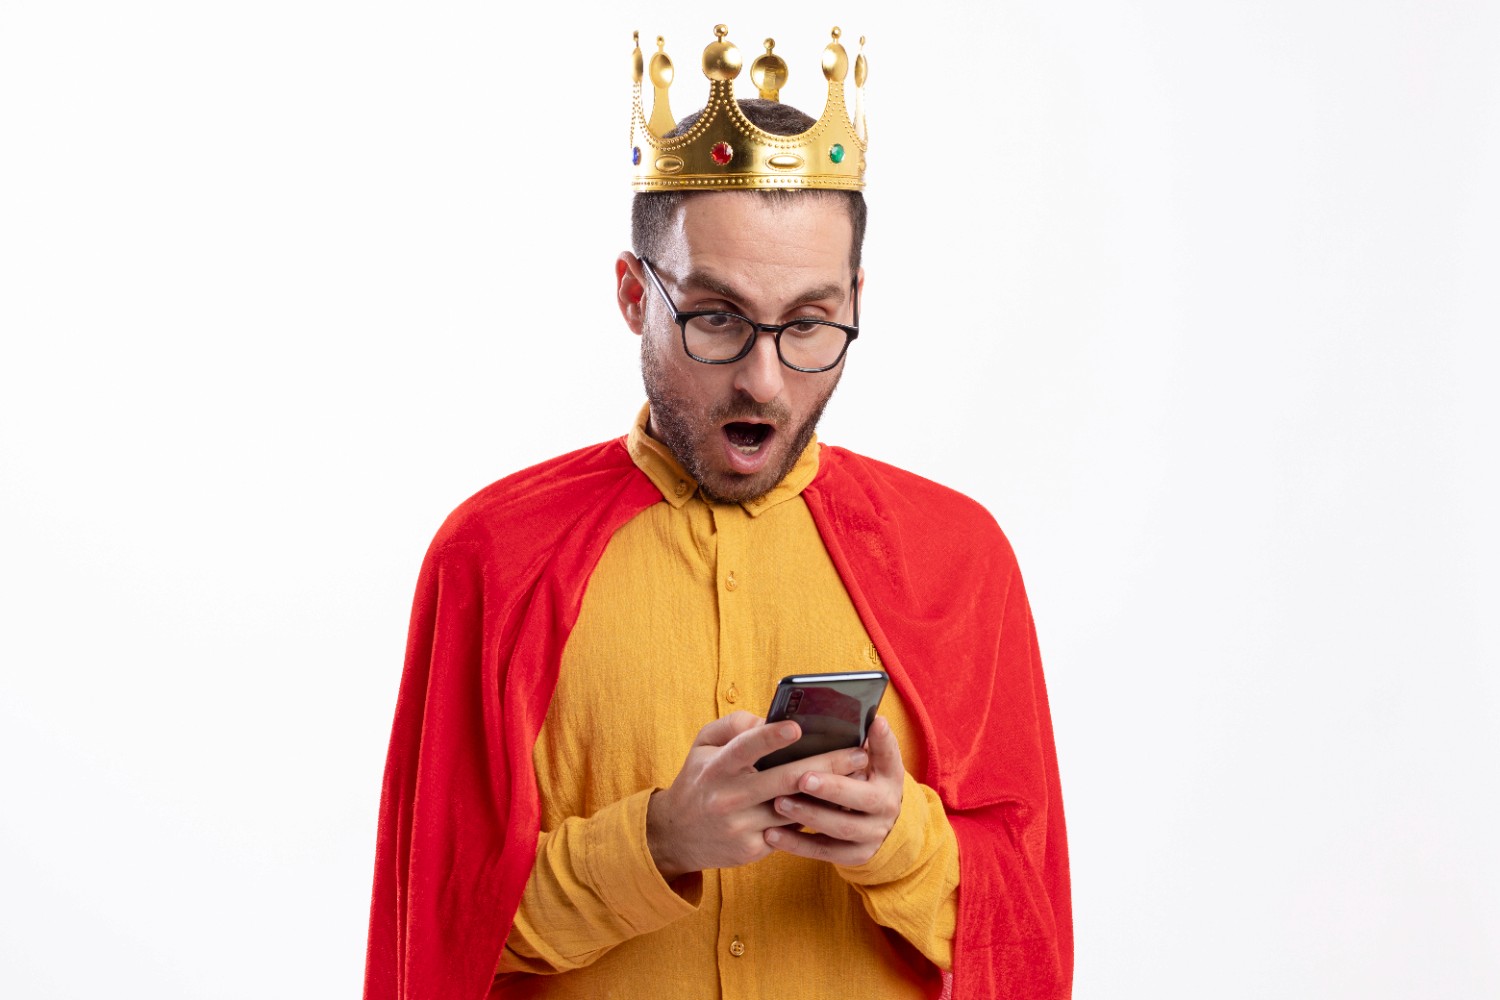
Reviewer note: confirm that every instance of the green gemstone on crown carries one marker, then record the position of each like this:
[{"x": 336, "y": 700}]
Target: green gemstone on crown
[{"x": 836, "y": 154}]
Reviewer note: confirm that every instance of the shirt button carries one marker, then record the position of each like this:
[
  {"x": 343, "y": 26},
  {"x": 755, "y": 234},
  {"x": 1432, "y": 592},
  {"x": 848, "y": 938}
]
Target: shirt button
[
  {"x": 680, "y": 488},
  {"x": 730, "y": 582},
  {"x": 732, "y": 695},
  {"x": 736, "y": 947}
]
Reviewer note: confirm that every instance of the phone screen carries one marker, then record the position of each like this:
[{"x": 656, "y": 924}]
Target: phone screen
[{"x": 834, "y": 710}]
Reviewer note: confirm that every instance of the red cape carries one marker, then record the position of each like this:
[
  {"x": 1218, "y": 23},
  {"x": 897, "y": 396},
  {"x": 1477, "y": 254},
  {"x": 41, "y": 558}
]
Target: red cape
[{"x": 936, "y": 586}]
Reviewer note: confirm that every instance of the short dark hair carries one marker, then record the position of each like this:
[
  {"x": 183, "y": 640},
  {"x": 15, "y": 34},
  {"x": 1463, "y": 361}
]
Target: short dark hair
[{"x": 651, "y": 212}]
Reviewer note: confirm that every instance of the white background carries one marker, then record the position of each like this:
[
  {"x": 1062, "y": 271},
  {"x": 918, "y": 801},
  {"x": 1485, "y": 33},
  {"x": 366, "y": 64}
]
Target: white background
[{"x": 1200, "y": 298}]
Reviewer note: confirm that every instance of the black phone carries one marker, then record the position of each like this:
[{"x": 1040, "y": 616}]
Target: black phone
[{"x": 835, "y": 712}]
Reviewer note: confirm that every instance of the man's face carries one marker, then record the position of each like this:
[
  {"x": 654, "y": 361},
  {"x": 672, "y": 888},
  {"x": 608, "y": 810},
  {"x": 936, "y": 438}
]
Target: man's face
[{"x": 739, "y": 428}]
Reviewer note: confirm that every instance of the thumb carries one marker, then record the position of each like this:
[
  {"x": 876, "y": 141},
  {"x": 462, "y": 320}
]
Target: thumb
[{"x": 885, "y": 752}]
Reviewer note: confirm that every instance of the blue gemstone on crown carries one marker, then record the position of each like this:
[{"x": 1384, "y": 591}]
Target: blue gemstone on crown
[{"x": 635, "y": 156}]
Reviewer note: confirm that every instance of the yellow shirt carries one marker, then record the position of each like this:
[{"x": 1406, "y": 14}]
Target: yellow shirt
[{"x": 697, "y": 610}]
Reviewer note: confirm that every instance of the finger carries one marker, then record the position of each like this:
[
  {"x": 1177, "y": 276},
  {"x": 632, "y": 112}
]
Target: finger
[
  {"x": 744, "y": 750},
  {"x": 835, "y": 761},
  {"x": 785, "y": 779},
  {"x": 720, "y": 731},
  {"x": 872, "y": 796},
  {"x": 819, "y": 846},
  {"x": 757, "y": 817},
  {"x": 840, "y": 824}
]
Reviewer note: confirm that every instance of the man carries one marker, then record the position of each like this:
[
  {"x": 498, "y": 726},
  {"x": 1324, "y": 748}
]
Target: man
[{"x": 571, "y": 805}]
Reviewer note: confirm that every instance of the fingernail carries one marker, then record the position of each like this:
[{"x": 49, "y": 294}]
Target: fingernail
[
  {"x": 860, "y": 759},
  {"x": 811, "y": 782},
  {"x": 773, "y": 835},
  {"x": 788, "y": 732}
]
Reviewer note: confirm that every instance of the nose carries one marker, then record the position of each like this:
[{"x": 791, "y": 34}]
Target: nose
[{"x": 759, "y": 373}]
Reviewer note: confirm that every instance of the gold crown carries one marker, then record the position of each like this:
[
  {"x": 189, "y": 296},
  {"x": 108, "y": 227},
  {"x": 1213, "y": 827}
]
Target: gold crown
[{"x": 723, "y": 150}]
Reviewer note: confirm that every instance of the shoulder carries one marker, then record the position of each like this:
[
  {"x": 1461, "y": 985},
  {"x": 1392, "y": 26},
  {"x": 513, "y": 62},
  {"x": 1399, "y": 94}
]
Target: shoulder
[
  {"x": 876, "y": 495},
  {"x": 528, "y": 511}
]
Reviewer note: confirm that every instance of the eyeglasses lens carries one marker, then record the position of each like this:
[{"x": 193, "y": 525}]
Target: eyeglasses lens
[{"x": 722, "y": 336}]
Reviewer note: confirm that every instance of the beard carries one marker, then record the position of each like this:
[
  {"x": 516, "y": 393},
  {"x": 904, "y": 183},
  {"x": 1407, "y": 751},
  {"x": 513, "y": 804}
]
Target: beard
[{"x": 694, "y": 437}]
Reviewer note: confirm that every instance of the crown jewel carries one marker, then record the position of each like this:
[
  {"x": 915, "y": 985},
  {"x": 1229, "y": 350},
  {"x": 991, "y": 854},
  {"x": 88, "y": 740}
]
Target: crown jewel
[{"x": 722, "y": 150}]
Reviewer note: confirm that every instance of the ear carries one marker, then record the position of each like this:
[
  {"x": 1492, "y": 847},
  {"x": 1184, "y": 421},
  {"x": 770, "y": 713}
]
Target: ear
[{"x": 630, "y": 290}]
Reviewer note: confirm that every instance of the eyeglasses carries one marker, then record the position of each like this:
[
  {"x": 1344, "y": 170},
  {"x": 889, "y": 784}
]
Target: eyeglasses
[{"x": 718, "y": 337}]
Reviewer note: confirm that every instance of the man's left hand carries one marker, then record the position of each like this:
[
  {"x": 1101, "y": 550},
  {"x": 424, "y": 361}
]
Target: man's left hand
[{"x": 849, "y": 816}]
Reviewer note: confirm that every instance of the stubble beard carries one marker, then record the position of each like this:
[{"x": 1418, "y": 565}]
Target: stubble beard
[{"x": 693, "y": 438}]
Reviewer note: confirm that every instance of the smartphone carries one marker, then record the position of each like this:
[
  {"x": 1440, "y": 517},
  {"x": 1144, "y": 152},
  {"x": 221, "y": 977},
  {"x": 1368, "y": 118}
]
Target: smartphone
[{"x": 835, "y": 712}]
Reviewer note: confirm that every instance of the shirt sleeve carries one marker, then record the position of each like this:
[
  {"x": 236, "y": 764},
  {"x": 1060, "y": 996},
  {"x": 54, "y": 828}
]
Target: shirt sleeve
[
  {"x": 593, "y": 885},
  {"x": 911, "y": 883}
]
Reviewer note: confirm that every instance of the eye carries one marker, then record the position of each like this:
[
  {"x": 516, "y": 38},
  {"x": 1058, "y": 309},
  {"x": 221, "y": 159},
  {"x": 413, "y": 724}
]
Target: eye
[
  {"x": 808, "y": 328},
  {"x": 717, "y": 324}
]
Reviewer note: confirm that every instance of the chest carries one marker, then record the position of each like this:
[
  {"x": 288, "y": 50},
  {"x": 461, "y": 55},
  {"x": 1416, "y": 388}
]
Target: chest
[{"x": 692, "y": 613}]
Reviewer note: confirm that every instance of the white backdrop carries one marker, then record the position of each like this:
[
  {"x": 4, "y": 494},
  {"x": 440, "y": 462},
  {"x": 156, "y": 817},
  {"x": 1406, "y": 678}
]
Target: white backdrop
[{"x": 1199, "y": 298}]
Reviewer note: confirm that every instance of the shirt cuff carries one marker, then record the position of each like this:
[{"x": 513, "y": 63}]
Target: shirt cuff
[
  {"x": 618, "y": 864},
  {"x": 902, "y": 849}
]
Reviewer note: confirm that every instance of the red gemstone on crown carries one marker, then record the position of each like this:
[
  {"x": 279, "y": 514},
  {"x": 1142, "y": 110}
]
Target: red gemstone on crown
[{"x": 722, "y": 152}]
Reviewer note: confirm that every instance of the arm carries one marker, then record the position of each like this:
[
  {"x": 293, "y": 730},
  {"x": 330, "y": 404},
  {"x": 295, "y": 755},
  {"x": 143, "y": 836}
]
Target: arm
[
  {"x": 911, "y": 883},
  {"x": 439, "y": 906},
  {"x": 889, "y": 836},
  {"x": 632, "y": 867},
  {"x": 1016, "y": 915},
  {"x": 499, "y": 591},
  {"x": 937, "y": 585},
  {"x": 593, "y": 886}
]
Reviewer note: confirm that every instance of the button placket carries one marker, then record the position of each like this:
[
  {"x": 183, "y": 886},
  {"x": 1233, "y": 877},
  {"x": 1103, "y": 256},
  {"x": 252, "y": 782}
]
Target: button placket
[{"x": 729, "y": 533}]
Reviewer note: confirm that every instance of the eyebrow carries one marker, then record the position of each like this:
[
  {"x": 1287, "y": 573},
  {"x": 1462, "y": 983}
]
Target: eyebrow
[{"x": 707, "y": 282}]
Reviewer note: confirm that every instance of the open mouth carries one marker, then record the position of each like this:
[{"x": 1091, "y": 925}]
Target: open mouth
[{"x": 747, "y": 438}]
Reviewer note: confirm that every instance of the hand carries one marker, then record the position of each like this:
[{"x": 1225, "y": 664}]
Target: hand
[
  {"x": 849, "y": 814},
  {"x": 718, "y": 809}
]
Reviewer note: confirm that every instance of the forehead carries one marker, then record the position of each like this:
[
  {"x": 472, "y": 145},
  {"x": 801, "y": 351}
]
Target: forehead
[{"x": 758, "y": 234}]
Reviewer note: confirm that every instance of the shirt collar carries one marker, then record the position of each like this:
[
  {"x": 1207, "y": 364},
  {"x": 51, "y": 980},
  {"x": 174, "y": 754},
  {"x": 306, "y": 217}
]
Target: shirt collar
[{"x": 677, "y": 487}]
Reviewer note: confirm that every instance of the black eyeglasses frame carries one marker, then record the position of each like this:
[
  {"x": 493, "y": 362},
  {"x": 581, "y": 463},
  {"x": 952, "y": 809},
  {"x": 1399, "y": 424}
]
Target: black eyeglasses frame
[{"x": 756, "y": 329}]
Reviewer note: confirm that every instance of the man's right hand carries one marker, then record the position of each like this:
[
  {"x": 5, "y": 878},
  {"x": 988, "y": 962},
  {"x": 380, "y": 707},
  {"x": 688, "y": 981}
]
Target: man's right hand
[{"x": 719, "y": 807}]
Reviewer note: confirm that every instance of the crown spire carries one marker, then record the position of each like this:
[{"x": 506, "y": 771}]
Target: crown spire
[
  {"x": 662, "y": 121},
  {"x": 769, "y": 72},
  {"x": 835, "y": 60},
  {"x": 721, "y": 59},
  {"x": 723, "y": 149},
  {"x": 861, "y": 70}
]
